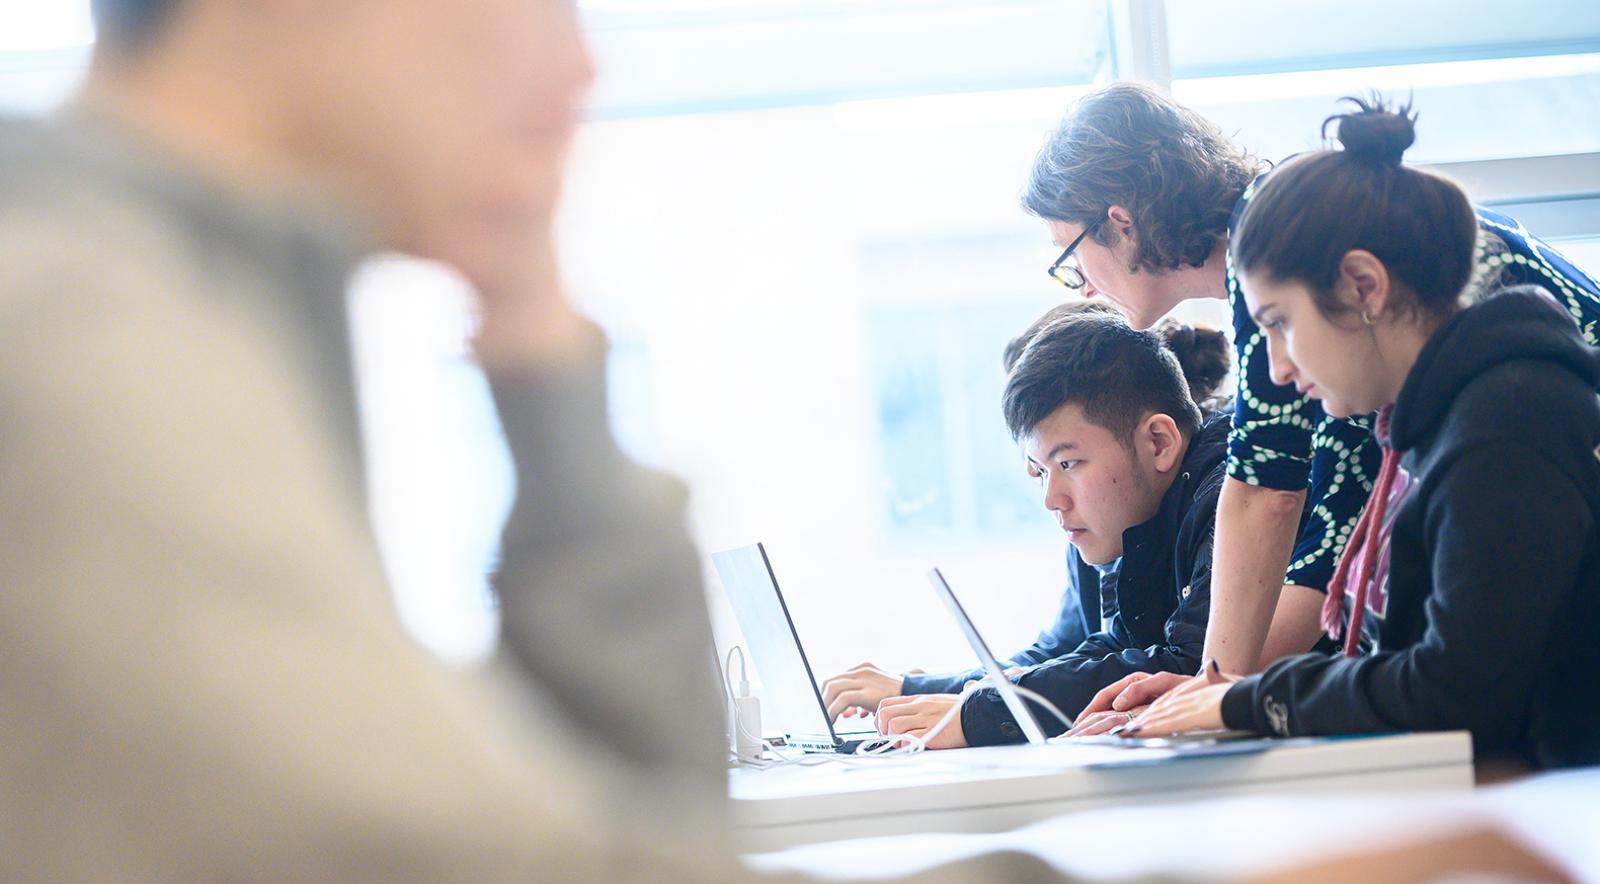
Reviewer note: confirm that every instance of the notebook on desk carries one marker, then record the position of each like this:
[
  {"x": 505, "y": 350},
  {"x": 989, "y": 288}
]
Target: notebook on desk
[{"x": 792, "y": 705}]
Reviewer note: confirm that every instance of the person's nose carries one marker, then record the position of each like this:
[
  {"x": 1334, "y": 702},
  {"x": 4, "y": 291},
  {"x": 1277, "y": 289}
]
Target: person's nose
[
  {"x": 1057, "y": 499},
  {"x": 1279, "y": 365},
  {"x": 571, "y": 59}
]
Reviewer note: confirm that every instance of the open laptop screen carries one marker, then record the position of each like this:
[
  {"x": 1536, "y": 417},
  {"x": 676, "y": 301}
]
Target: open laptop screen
[
  {"x": 791, "y": 704},
  {"x": 1008, "y": 694}
]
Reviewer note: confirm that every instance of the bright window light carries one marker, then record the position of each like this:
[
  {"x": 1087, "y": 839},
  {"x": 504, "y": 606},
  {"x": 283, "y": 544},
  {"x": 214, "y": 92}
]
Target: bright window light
[
  {"x": 1297, "y": 84},
  {"x": 53, "y": 24}
]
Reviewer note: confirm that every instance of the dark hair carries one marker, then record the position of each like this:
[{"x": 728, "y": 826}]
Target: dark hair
[
  {"x": 1080, "y": 307},
  {"x": 1313, "y": 210},
  {"x": 1129, "y": 145},
  {"x": 129, "y": 22},
  {"x": 1204, "y": 355},
  {"x": 1116, "y": 373}
]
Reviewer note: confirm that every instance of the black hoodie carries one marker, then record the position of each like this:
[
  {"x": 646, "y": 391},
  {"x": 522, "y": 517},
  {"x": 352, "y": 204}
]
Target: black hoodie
[{"x": 1491, "y": 619}]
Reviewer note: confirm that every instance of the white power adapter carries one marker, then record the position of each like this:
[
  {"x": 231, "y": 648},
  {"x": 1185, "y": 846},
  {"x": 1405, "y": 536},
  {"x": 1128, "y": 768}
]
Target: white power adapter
[
  {"x": 746, "y": 717},
  {"x": 746, "y": 738}
]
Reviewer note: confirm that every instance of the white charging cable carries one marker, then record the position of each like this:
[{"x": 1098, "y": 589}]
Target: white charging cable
[
  {"x": 909, "y": 744},
  {"x": 747, "y": 736},
  {"x": 747, "y": 740}
]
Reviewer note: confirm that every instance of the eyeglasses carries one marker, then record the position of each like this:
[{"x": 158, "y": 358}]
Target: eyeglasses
[{"x": 1068, "y": 274}]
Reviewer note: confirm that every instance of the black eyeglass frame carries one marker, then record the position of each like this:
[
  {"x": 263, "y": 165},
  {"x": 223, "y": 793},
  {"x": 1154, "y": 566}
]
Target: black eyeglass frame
[{"x": 1076, "y": 280}]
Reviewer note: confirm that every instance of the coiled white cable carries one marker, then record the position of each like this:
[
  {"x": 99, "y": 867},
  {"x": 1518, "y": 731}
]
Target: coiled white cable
[{"x": 909, "y": 744}]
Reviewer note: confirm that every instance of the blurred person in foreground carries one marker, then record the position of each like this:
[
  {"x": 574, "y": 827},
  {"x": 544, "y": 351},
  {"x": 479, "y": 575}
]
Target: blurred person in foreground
[{"x": 204, "y": 678}]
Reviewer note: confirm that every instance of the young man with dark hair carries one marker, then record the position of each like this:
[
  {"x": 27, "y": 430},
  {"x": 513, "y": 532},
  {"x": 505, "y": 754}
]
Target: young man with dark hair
[{"x": 1130, "y": 470}]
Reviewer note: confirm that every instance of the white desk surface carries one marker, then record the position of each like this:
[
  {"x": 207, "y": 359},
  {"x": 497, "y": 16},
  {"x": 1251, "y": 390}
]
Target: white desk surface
[
  {"x": 998, "y": 788},
  {"x": 1232, "y": 838}
]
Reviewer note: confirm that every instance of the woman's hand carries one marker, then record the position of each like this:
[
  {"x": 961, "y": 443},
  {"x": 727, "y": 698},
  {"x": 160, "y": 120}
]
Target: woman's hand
[
  {"x": 1097, "y": 723},
  {"x": 1128, "y": 694},
  {"x": 1195, "y": 707}
]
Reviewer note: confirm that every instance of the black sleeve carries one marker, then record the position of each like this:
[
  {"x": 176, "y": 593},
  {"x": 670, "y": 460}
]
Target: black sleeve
[
  {"x": 937, "y": 683},
  {"x": 1504, "y": 554}
]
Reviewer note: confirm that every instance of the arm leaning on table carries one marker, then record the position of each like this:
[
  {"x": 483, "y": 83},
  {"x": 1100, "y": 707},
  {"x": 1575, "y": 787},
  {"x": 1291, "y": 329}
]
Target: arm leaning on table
[
  {"x": 1297, "y": 481},
  {"x": 1255, "y": 532}
]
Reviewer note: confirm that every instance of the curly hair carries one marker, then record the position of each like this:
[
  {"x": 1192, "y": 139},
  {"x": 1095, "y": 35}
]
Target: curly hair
[{"x": 1131, "y": 146}]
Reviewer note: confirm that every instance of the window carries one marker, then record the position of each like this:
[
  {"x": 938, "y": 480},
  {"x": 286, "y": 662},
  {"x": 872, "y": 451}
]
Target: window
[
  {"x": 32, "y": 26},
  {"x": 1489, "y": 85},
  {"x": 815, "y": 300},
  {"x": 43, "y": 50},
  {"x": 798, "y": 221}
]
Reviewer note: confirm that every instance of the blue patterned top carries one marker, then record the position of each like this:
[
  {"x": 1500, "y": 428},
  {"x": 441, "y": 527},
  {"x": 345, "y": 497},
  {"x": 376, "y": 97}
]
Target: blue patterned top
[{"x": 1283, "y": 440}]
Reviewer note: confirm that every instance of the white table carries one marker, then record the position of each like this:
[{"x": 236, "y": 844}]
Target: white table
[{"x": 998, "y": 788}]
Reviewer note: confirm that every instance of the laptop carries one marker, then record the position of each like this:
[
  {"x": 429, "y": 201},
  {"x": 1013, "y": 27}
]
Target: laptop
[
  {"x": 792, "y": 705},
  {"x": 991, "y": 666}
]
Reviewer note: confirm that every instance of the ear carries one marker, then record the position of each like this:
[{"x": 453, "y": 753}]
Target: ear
[
  {"x": 1159, "y": 436},
  {"x": 1118, "y": 218},
  {"x": 1363, "y": 283}
]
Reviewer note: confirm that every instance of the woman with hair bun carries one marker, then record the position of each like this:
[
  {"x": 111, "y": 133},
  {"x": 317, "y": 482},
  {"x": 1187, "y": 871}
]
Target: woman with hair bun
[{"x": 1469, "y": 594}]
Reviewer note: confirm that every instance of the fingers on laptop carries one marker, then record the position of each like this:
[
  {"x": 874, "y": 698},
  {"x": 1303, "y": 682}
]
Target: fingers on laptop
[
  {"x": 900, "y": 715},
  {"x": 860, "y": 687},
  {"x": 842, "y": 702},
  {"x": 1097, "y": 723},
  {"x": 1103, "y": 699},
  {"x": 1148, "y": 690},
  {"x": 1196, "y": 709},
  {"x": 917, "y": 715}
]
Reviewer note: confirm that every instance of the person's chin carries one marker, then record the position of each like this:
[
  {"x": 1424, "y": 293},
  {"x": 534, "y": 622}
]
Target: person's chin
[
  {"x": 1088, "y": 550},
  {"x": 1136, "y": 318},
  {"x": 1339, "y": 408}
]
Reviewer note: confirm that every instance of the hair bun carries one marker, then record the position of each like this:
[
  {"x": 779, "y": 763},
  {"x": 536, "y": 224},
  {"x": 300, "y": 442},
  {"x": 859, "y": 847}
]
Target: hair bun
[
  {"x": 1203, "y": 353},
  {"x": 1373, "y": 132}
]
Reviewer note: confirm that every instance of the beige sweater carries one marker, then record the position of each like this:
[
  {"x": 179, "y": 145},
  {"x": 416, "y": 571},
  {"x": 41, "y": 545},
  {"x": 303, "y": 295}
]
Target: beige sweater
[{"x": 201, "y": 675}]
